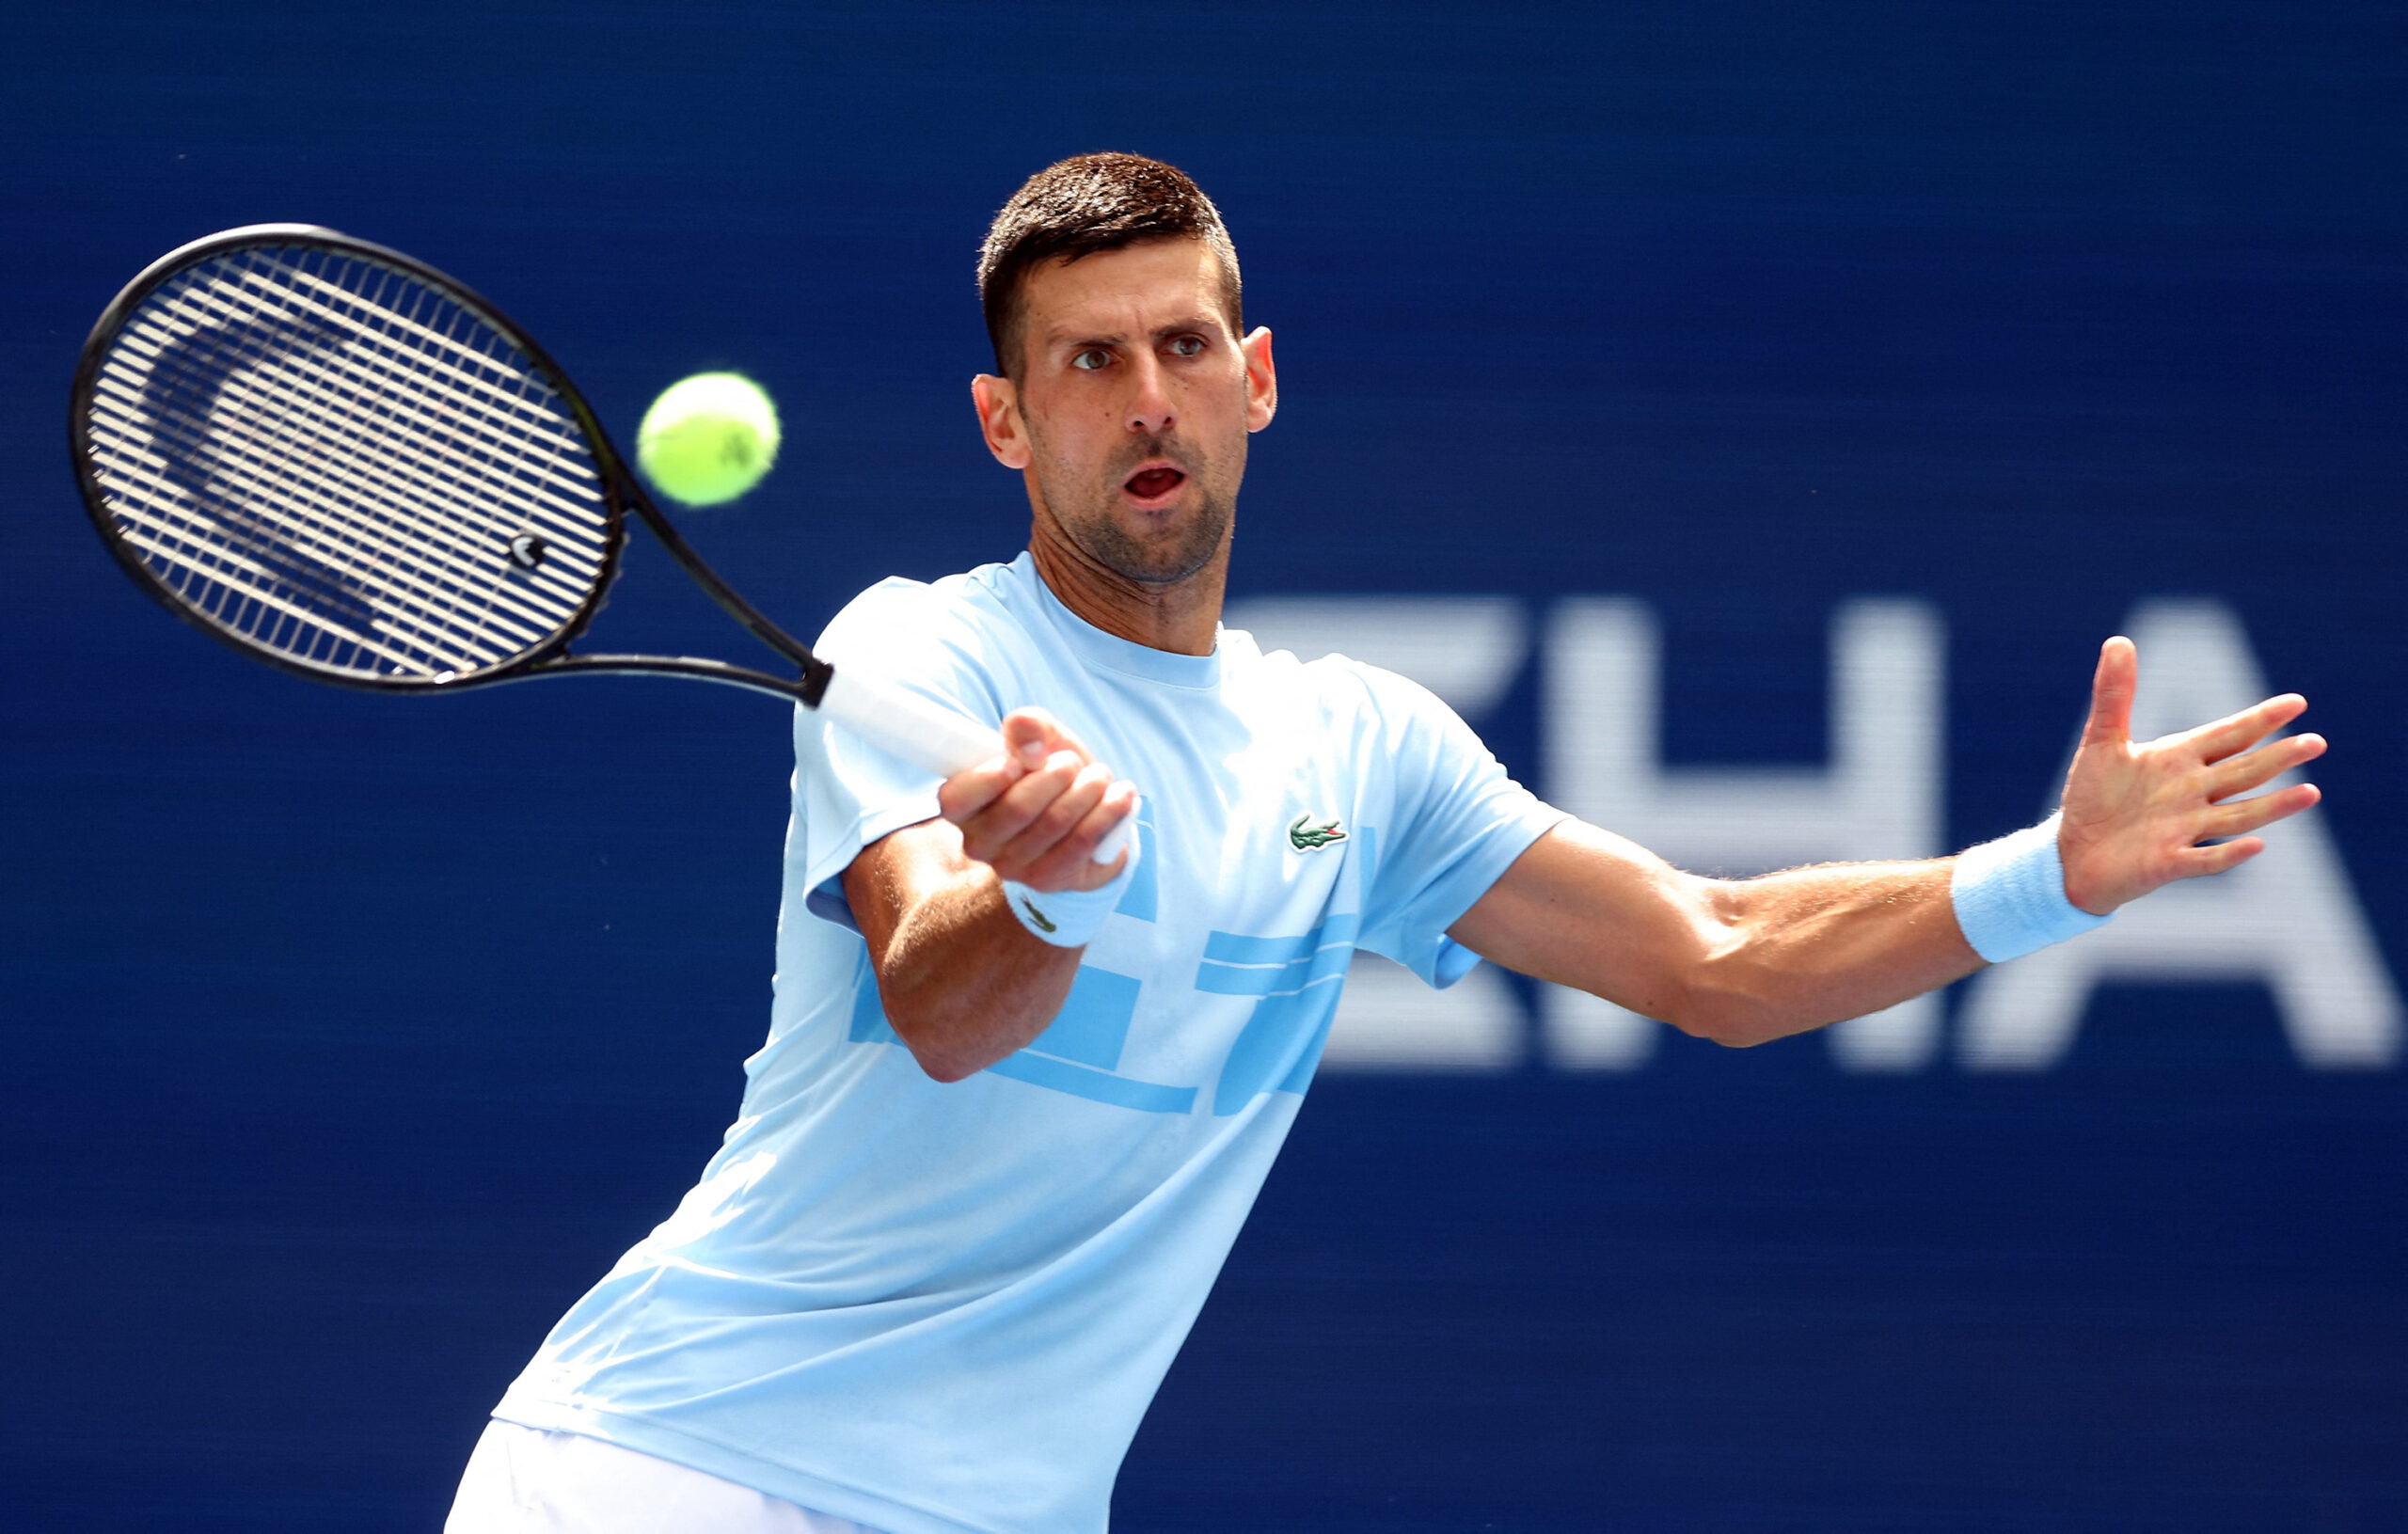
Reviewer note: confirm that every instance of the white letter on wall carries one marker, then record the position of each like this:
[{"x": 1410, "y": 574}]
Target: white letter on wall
[
  {"x": 1467, "y": 650},
  {"x": 2288, "y": 916},
  {"x": 1879, "y": 798}
]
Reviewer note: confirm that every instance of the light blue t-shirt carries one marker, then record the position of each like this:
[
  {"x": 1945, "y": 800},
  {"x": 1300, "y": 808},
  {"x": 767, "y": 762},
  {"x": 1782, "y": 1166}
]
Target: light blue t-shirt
[{"x": 934, "y": 1309}]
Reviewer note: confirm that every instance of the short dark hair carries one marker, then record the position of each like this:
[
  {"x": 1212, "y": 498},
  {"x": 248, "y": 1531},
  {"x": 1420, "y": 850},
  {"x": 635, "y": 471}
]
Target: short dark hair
[{"x": 1082, "y": 205}]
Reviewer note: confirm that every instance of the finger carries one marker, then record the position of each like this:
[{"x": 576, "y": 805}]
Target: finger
[
  {"x": 1032, "y": 734},
  {"x": 2111, "y": 692},
  {"x": 2238, "y": 731},
  {"x": 988, "y": 834},
  {"x": 2250, "y": 813},
  {"x": 966, "y": 793},
  {"x": 2240, "y": 774},
  {"x": 2198, "y": 862},
  {"x": 1037, "y": 841},
  {"x": 1073, "y": 859}
]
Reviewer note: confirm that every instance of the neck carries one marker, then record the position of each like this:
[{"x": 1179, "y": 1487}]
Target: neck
[{"x": 1182, "y": 616}]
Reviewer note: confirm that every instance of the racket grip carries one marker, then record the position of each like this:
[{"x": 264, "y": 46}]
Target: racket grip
[
  {"x": 937, "y": 739},
  {"x": 907, "y": 725}
]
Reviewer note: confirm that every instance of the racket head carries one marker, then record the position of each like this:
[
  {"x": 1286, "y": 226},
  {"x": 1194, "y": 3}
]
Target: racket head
[{"x": 341, "y": 461}]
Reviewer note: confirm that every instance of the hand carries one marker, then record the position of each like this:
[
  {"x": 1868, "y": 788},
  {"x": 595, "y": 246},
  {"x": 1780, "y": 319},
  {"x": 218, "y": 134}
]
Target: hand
[
  {"x": 2134, "y": 814},
  {"x": 1037, "y": 813}
]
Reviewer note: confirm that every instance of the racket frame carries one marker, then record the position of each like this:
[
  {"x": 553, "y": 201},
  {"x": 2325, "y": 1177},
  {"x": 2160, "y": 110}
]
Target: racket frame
[{"x": 621, "y": 491}]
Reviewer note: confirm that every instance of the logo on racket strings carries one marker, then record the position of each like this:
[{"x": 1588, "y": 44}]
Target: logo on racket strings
[{"x": 527, "y": 551}]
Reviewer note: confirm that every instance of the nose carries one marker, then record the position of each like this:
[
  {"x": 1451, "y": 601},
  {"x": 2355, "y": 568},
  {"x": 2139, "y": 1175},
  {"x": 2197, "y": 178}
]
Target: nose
[{"x": 1149, "y": 408}]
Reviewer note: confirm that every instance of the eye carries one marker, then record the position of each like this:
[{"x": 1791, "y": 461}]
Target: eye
[
  {"x": 1091, "y": 359},
  {"x": 1187, "y": 346}
]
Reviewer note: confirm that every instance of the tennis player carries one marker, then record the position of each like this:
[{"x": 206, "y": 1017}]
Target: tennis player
[{"x": 1014, "y": 1103}]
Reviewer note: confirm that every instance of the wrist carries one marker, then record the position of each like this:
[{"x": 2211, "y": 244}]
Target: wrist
[
  {"x": 1068, "y": 918},
  {"x": 2083, "y": 891},
  {"x": 2010, "y": 894}
]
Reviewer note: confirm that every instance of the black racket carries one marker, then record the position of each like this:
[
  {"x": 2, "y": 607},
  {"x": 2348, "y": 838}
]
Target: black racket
[{"x": 343, "y": 462}]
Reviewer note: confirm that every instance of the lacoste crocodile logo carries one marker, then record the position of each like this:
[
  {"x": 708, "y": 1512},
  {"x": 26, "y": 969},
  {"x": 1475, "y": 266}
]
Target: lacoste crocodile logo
[
  {"x": 1036, "y": 915},
  {"x": 1306, "y": 834}
]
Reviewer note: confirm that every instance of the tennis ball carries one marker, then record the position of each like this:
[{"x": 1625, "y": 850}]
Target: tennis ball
[{"x": 708, "y": 439}]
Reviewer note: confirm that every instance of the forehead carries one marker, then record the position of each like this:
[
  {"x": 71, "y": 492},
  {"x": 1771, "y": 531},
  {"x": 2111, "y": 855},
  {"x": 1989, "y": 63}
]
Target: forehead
[{"x": 1134, "y": 288}]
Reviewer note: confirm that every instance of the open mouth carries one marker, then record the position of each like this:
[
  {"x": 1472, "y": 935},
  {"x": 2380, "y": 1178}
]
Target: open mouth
[{"x": 1151, "y": 482}]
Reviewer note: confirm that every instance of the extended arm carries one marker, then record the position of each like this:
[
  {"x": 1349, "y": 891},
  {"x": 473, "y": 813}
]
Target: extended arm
[
  {"x": 1743, "y": 961},
  {"x": 1735, "y": 960},
  {"x": 961, "y": 981}
]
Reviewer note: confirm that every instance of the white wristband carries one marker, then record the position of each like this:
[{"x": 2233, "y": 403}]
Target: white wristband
[
  {"x": 2010, "y": 894},
  {"x": 1071, "y": 918}
]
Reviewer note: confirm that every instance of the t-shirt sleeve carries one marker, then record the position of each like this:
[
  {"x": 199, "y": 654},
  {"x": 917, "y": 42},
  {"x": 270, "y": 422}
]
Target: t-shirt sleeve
[
  {"x": 849, "y": 793},
  {"x": 1455, "y": 823}
]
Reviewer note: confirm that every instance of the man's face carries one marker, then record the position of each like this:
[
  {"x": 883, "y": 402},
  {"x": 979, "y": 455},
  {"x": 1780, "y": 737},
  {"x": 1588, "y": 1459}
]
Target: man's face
[{"x": 1131, "y": 414}]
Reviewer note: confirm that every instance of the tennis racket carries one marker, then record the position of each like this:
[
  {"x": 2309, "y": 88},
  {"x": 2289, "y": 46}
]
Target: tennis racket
[{"x": 340, "y": 461}]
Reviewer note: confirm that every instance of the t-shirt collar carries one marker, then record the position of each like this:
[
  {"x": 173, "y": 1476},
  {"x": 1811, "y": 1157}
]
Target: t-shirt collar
[{"x": 1112, "y": 652}]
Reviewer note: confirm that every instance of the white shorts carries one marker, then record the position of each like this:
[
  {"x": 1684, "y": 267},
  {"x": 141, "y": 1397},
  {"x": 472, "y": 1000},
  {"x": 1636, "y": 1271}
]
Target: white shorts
[{"x": 526, "y": 1480}]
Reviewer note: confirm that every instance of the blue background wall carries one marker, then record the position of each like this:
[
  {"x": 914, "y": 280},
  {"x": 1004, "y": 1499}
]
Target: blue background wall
[{"x": 346, "y": 1039}]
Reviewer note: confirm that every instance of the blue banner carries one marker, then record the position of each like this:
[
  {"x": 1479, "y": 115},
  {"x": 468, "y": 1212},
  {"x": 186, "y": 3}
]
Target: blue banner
[{"x": 1751, "y": 417}]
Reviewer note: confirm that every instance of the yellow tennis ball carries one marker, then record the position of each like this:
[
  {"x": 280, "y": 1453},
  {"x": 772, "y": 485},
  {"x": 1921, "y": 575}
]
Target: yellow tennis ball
[{"x": 708, "y": 439}]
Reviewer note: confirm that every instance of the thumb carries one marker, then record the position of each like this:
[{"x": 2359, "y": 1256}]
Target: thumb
[{"x": 2111, "y": 692}]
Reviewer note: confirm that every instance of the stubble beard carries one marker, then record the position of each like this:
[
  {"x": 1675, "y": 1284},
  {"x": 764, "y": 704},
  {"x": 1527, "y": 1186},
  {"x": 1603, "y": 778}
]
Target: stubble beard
[{"x": 1085, "y": 511}]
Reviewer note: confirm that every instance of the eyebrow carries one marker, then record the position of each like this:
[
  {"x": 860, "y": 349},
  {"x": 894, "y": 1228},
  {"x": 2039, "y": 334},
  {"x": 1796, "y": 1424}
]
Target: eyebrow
[{"x": 1192, "y": 325}]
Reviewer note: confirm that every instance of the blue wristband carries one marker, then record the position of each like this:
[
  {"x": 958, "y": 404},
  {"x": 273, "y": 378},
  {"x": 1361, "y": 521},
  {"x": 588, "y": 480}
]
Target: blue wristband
[
  {"x": 2010, "y": 894},
  {"x": 1070, "y": 918}
]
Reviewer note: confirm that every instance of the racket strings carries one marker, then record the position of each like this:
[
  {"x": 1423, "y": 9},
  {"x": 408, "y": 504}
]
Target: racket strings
[
  {"x": 364, "y": 549},
  {"x": 296, "y": 396},
  {"x": 323, "y": 527},
  {"x": 414, "y": 430},
  {"x": 332, "y": 458},
  {"x": 524, "y": 433},
  {"x": 305, "y": 536}
]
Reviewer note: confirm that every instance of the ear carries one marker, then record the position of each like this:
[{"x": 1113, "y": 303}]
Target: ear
[
  {"x": 1262, "y": 379},
  {"x": 998, "y": 404}
]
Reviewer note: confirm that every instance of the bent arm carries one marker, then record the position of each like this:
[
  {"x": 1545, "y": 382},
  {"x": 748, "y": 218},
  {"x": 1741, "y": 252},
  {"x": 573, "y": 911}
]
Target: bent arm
[
  {"x": 962, "y": 982},
  {"x": 1739, "y": 962}
]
